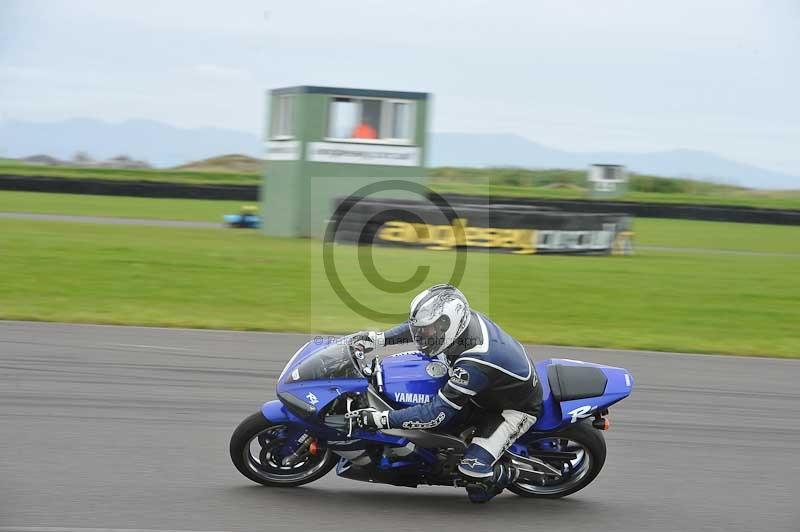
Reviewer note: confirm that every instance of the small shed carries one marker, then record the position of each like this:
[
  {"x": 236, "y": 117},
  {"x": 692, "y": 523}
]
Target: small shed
[
  {"x": 607, "y": 180},
  {"x": 329, "y": 142}
]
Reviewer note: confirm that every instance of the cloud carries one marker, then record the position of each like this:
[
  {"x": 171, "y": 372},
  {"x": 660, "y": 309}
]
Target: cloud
[{"x": 23, "y": 74}]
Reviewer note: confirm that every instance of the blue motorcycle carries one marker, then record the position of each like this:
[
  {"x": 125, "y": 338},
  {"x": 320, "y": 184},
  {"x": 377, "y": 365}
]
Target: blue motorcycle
[{"x": 312, "y": 427}]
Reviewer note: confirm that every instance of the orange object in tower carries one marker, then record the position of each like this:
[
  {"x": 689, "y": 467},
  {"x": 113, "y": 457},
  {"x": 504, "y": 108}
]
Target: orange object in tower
[{"x": 364, "y": 131}]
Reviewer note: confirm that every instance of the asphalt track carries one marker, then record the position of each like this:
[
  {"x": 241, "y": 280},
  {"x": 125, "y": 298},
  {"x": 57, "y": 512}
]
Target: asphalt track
[{"x": 127, "y": 428}]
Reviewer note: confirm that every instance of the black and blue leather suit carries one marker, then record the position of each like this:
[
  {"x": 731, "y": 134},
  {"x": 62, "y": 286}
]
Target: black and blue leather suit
[{"x": 490, "y": 375}]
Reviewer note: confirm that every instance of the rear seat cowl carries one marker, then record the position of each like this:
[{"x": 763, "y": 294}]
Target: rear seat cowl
[{"x": 568, "y": 383}]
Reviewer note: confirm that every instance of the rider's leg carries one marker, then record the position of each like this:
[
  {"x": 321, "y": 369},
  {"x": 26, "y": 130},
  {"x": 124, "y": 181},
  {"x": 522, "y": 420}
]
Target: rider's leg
[{"x": 485, "y": 474}]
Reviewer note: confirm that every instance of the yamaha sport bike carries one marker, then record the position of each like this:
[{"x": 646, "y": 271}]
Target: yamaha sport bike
[{"x": 311, "y": 428}]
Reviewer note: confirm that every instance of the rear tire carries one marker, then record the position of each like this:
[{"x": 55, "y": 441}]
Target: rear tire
[
  {"x": 594, "y": 446},
  {"x": 256, "y": 427}
]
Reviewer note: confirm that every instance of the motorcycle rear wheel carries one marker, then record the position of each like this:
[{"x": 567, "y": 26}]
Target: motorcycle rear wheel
[
  {"x": 264, "y": 465},
  {"x": 589, "y": 445}
]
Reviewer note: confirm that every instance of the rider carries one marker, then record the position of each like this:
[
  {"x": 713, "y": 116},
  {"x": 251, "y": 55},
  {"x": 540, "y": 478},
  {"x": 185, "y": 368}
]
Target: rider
[{"x": 489, "y": 373}]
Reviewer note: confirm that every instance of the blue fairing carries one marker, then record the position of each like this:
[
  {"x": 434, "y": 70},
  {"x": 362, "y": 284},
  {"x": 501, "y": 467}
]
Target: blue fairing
[
  {"x": 556, "y": 415},
  {"x": 316, "y": 392},
  {"x": 275, "y": 412},
  {"x": 412, "y": 378},
  {"x": 407, "y": 383},
  {"x": 407, "y": 380},
  {"x": 316, "y": 376}
]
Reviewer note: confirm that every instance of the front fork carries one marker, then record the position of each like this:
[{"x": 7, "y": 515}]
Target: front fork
[
  {"x": 306, "y": 446},
  {"x": 300, "y": 444}
]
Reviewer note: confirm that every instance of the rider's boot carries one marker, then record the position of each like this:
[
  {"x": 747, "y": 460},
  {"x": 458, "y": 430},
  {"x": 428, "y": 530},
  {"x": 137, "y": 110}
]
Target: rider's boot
[{"x": 481, "y": 490}]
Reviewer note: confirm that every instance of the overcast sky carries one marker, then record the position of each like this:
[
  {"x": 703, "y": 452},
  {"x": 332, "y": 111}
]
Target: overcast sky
[{"x": 639, "y": 75}]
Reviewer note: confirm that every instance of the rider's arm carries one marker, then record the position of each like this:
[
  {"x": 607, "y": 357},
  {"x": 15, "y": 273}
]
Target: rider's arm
[
  {"x": 369, "y": 340},
  {"x": 400, "y": 334},
  {"x": 465, "y": 382}
]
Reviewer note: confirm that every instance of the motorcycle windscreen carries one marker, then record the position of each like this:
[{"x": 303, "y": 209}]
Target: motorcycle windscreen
[{"x": 332, "y": 362}]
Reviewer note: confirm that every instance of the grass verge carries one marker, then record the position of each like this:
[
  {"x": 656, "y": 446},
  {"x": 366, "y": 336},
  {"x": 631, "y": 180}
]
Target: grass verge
[
  {"x": 693, "y": 302},
  {"x": 649, "y": 232},
  {"x": 117, "y": 206},
  {"x": 767, "y": 199},
  {"x": 758, "y": 238},
  {"x": 119, "y": 174}
]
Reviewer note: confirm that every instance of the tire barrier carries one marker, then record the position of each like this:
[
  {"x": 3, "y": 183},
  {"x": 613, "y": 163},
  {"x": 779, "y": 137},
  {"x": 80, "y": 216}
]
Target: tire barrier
[
  {"x": 517, "y": 229},
  {"x": 714, "y": 213},
  {"x": 144, "y": 189}
]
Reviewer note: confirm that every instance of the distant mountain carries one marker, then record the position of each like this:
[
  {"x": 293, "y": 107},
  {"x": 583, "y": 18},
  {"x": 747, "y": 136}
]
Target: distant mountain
[
  {"x": 463, "y": 149},
  {"x": 165, "y": 146},
  {"x": 158, "y": 143}
]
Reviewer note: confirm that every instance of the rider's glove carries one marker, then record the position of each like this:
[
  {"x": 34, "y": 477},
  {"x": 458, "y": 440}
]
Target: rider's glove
[
  {"x": 366, "y": 341},
  {"x": 370, "y": 418}
]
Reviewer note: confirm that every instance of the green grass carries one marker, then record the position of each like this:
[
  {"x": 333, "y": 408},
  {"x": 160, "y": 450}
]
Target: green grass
[
  {"x": 575, "y": 179},
  {"x": 745, "y": 198},
  {"x": 693, "y": 302},
  {"x": 759, "y": 238},
  {"x": 571, "y": 184},
  {"x": 118, "y": 206},
  {"x": 170, "y": 176}
]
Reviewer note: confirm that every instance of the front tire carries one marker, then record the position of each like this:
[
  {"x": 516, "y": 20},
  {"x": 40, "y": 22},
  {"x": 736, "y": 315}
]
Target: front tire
[
  {"x": 265, "y": 466},
  {"x": 590, "y": 446}
]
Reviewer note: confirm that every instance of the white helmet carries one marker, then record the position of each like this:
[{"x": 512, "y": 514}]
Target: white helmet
[{"x": 438, "y": 316}]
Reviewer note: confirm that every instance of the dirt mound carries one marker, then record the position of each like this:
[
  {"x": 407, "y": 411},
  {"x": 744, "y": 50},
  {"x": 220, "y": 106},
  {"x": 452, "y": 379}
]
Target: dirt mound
[{"x": 235, "y": 163}]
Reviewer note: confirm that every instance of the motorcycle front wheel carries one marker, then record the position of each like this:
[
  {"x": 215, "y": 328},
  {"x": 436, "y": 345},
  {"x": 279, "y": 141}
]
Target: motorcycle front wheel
[
  {"x": 588, "y": 446},
  {"x": 259, "y": 448}
]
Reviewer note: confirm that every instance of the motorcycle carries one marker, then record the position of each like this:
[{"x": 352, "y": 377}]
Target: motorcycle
[{"x": 311, "y": 428}]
